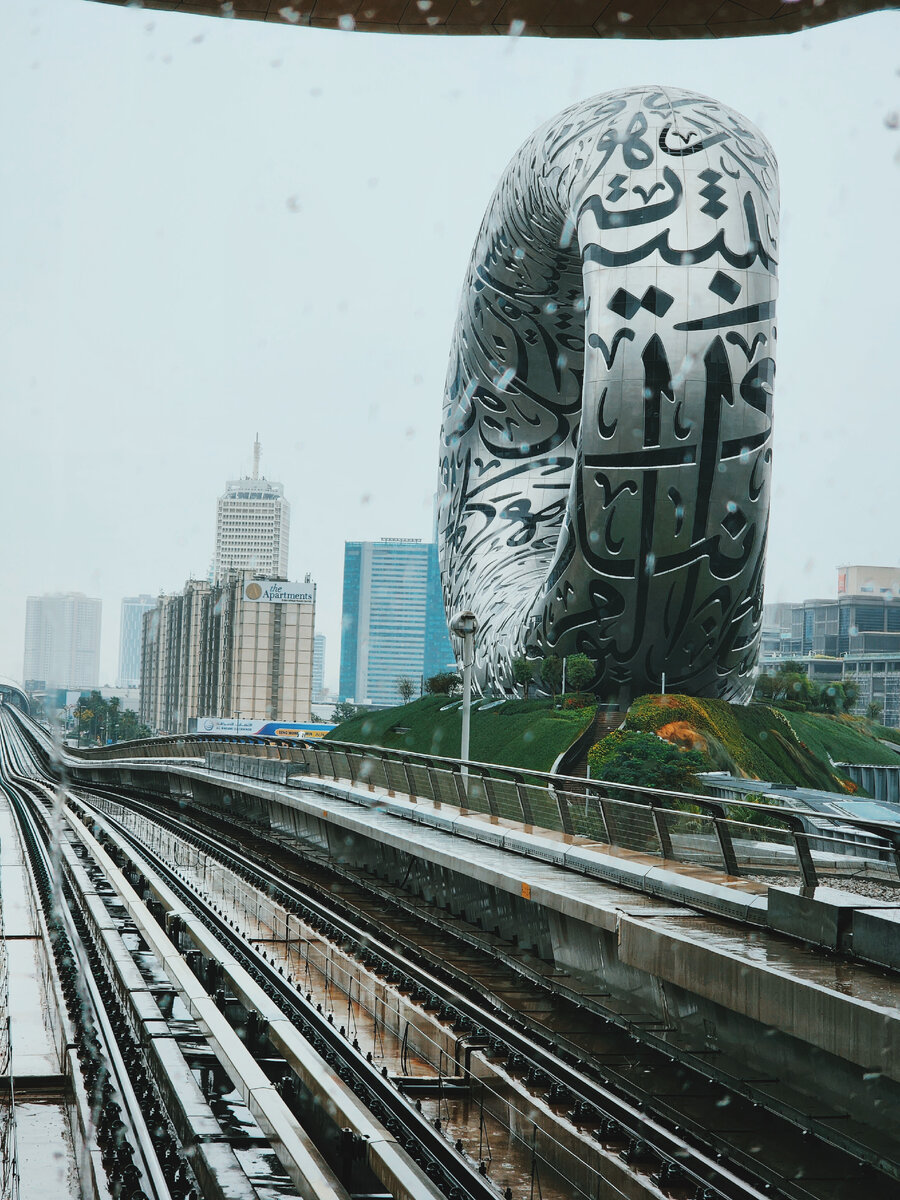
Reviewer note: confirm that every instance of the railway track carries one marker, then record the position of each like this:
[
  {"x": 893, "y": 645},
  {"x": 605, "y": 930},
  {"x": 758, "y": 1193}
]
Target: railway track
[
  {"x": 236, "y": 1000},
  {"x": 659, "y": 1115}
]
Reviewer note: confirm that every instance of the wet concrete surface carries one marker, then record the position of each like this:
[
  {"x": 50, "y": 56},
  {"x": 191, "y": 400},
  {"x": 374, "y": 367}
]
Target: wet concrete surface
[
  {"x": 45, "y": 1152},
  {"x": 48, "y": 1169}
]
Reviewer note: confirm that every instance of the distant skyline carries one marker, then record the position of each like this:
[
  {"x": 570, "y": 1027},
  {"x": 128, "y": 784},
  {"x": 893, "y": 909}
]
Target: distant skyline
[{"x": 212, "y": 228}]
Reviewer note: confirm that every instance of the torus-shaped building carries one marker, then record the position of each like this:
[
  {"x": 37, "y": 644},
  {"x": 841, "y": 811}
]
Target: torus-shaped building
[{"x": 606, "y": 440}]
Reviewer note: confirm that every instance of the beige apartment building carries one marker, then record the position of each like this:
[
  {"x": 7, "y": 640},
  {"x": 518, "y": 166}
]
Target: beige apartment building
[{"x": 239, "y": 648}]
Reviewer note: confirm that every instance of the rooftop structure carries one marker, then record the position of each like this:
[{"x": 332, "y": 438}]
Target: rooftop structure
[{"x": 253, "y": 522}]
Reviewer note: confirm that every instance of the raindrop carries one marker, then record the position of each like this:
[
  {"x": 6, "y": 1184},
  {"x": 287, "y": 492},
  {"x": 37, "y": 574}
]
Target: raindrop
[
  {"x": 289, "y": 14},
  {"x": 423, "y": 5},
  {"x": 293, "y": 204},
  {"x": 624, "y": 17},
  {"x": 892, "y": 120},
  {"x": 516, "y": 28},
  {"x": 346, "y": 21}
]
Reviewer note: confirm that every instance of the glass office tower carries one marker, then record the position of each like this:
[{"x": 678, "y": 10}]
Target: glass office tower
[{"x": 393, "y": 621}]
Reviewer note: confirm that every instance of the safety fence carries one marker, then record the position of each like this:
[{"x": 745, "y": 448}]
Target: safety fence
[{"x": 739, "y": 838}]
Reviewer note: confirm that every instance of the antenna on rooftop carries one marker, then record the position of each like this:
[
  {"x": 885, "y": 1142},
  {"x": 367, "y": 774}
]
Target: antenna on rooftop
[{"x": 256, "y": 457}]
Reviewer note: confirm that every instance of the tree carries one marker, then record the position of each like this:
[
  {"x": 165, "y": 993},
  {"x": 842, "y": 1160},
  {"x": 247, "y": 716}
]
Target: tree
[
  {"x": 551, "y": 673},
  {"x": 874, "y": 709},
  {"x": 645, "y": 760},
  {"x": 831, "y": 698},
  {"x": 580, "y": 672},
  {"x": 445, "y": 683},
  {"x": 789, "y": 683},
  {"x": 130, "y": 728},
  {"x": 406, "y": 688},
  {"x": 523, "y": 673},
  {"x": 100, "y": 720},
  {"x": 344, "y": 710},
  {"x": 851, "y": 694}
]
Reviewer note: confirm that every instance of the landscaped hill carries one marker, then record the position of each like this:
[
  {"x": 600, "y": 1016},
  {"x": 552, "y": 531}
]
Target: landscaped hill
[
  {"x": 516, "y": 733},
  {"x": 763, "y": 742}
]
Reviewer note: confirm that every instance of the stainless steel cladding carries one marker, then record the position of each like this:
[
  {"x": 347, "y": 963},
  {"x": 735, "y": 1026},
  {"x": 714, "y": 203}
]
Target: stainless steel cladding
[{"x": 606, "y": 441}]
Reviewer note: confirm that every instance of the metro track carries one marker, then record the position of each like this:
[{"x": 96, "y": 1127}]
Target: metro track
[
  {"x": 428, "y": 1167},
  {"x": 620, "y": 1115},
  {"x": 134, "y": 1166},
  {"x": 657, "y": 1137}
]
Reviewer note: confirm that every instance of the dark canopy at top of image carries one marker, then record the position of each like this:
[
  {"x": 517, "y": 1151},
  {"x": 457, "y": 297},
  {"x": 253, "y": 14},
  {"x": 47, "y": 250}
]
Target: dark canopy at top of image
[{"x": 659, "y": 19}]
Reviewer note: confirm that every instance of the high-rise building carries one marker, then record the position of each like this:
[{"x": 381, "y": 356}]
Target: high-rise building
[
  {"x": 318, "y": 672},
  {"x": 133, "y": 609},
  {"x": 848, "y": 624},
  {"x": 393, "y": 622},
  {"x": 854, "y": 635},
  {"x": 253, "y": 522},
  {"x": 62, "y": 640},
  {"x": 239, "y": 648}
]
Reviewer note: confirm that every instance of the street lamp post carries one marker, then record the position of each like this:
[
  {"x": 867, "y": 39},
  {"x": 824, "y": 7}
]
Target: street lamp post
[{"x": 465, "y": 626}]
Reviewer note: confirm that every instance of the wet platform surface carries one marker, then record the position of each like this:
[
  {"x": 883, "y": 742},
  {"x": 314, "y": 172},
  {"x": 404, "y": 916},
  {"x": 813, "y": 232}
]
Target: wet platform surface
[{"x": 46, "y": 1155}]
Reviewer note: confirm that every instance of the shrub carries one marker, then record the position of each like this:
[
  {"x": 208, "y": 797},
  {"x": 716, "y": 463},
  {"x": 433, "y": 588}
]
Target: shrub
[
  {"x": 445, "y": 683},
  {"x": 645, "y": 760}
]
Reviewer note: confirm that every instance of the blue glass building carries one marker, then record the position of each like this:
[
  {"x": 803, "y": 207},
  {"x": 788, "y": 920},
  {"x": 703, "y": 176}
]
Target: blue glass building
[{"x": 393, "y": 621}]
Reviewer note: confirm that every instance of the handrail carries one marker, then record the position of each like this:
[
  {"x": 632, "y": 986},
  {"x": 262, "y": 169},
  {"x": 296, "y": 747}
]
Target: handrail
[{"x": 567, "y": 800}]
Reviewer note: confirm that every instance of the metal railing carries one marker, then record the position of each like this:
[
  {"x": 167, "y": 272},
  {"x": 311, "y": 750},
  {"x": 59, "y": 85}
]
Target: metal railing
[{"x": 675, "y": 826}]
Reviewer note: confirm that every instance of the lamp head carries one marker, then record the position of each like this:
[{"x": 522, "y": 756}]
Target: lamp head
[{"x": 464, "y": 624}]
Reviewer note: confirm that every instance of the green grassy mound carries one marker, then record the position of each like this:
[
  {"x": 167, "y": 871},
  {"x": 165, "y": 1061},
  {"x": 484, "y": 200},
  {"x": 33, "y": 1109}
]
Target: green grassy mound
[
  {"x": 844, "y": 739},
  {"x": 762, "y": 742},
  {"x": 517, "y": 733}
]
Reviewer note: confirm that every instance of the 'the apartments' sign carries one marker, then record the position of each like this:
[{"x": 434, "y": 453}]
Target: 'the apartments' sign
[{"x": 267, "y": 591}]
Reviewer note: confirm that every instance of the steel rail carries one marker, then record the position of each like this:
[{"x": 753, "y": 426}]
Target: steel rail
[
  {"x": 542, "y": 1056},
  {"x": 463, "y": 1181},
  {"x": 636, "y": 1124},
  {"x": 496, "y": 1023},
  {"x": 36, "y": 841}
]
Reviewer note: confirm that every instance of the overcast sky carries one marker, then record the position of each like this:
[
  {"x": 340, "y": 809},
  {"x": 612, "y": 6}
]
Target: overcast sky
[{"x": 212, "y": 227}]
